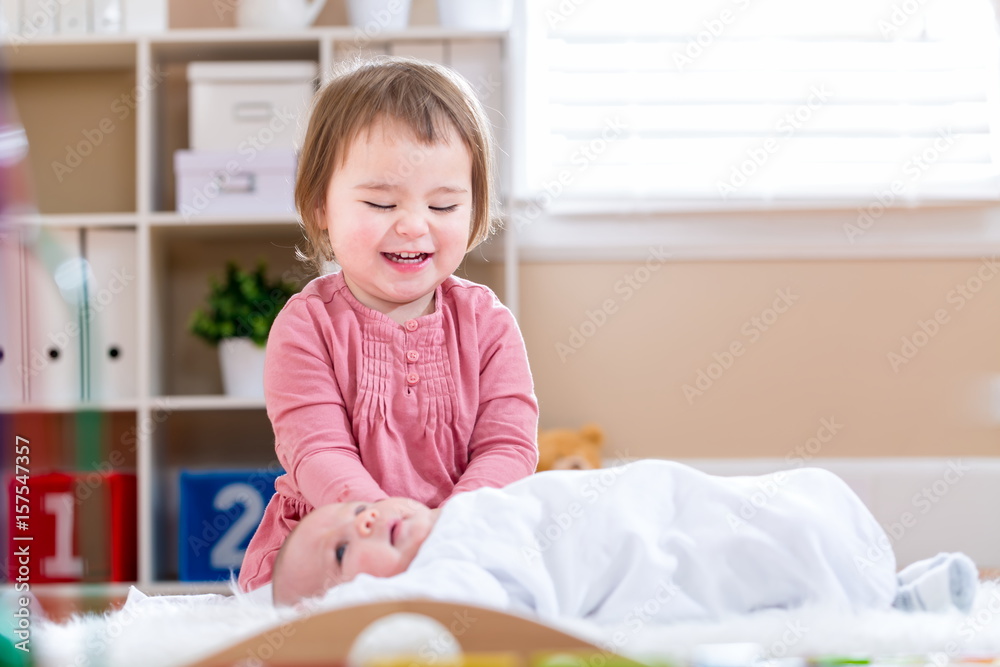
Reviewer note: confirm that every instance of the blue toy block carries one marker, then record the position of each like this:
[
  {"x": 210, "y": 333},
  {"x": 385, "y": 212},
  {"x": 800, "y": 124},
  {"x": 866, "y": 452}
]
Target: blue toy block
[{"x": 219, "y": 512}]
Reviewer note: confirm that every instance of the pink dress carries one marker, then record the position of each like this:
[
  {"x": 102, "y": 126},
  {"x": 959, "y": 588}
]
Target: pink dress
[{"x": 364, "y": 408}]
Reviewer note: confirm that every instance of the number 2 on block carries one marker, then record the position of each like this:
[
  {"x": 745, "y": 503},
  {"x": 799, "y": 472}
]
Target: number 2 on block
[{"x": 226, "y": 552}]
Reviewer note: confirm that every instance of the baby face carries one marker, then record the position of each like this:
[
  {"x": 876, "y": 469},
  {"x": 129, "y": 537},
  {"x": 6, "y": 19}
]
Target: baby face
[{"x": 335, "y": 543}]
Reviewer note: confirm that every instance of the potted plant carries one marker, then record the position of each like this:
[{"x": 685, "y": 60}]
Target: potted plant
[{"x": 237, "y": 317}]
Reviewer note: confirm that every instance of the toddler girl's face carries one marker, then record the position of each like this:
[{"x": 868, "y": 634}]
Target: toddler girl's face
[
  {"x": 399, "y": 213},
  {"x": 335, "y": 543}
]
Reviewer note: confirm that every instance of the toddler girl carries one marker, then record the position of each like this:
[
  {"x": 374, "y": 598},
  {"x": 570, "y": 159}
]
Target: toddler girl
[{"x": 393, "y": 377}]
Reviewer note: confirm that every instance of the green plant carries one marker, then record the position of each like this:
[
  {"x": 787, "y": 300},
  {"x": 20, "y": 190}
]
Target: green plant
[{"x": 243, "y": 305}]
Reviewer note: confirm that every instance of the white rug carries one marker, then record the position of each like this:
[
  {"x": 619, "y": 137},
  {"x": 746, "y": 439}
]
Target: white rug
[{"x": 174, "y": 630}]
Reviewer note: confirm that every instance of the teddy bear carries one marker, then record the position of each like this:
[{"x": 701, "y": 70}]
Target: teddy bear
[{"x": 566, "y": 449}]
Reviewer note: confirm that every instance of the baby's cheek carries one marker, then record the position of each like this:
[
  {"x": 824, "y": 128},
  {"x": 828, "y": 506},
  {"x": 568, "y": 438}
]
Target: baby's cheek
[
  {"x": 311, "y": 581},
  {"x": 388, "y": 566}
]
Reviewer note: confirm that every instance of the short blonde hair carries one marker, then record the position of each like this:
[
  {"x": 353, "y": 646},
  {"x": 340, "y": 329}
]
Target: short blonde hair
[{"x": 427, "y": 98}]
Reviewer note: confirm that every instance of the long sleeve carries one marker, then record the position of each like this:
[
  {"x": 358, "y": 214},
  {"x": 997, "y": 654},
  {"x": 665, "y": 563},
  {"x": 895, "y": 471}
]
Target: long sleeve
[
  {"x": 503, "y": 447},
  {"x": 313, "y": 435}
]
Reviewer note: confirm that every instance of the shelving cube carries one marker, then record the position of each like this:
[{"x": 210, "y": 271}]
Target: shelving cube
[
  {"x": 73, "y": 527},
  {"x": 104, "y": 115},
  {"x": 219, "y": 512}
]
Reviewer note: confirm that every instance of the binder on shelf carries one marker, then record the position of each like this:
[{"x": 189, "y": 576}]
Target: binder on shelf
[
  {"x": 106, "y": 15},
  {"x": 10, "y": 17},
  {"x": 73, "y": 17},
  {"x": 110, "y": 313},
  {"x": 54, "y": 280},
  {"x": 12, "y": 362},
  {"x": 38, "y": 17}
]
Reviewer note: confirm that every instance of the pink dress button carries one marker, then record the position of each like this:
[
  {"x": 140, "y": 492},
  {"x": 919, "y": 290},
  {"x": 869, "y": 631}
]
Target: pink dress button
[
  {"x": 412, "y": 355},
  {"x": 412, "y": 378},
  {"x": 411, "y": 325}
]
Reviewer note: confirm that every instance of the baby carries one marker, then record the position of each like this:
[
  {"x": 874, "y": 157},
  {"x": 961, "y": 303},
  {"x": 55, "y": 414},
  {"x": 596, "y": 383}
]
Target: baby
[{"x": 597, "y": 544}]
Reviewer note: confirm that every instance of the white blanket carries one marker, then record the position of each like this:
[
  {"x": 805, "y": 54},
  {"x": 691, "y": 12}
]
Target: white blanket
[{"x": 609, "y": 545}]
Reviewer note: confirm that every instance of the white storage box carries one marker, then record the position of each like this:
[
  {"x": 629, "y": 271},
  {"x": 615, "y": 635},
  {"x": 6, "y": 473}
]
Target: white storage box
[
  {"x": 248, "y": 105},
  {"x": 234, "y": 183}
]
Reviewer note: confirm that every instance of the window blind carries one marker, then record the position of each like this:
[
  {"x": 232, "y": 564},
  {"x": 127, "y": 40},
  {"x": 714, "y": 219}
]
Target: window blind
[{"x": 740, "y": 101}]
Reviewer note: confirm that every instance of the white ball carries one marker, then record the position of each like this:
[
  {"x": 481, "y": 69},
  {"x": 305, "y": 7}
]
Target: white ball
[{"x": 404, "y": 635}]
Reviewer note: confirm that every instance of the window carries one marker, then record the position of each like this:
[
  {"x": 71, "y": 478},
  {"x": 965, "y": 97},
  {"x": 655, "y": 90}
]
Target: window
[{"x": 672, "y": 104}]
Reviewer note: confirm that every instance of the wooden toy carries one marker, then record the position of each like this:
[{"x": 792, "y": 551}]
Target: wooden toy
[
  {"x": 494, "y": 659},
  {"x": 327, "y": 637},
  {"x": 72, "y": 527},
  {"x": 219, "y": 512}
]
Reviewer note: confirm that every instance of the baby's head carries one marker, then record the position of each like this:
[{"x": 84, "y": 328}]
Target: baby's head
[
  {"x": 420, "y": 103},
  {"x": 334, "y": 543}
]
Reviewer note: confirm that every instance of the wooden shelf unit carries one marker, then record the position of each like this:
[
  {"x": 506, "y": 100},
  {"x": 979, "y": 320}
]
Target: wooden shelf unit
[{"x": 131, "y": 92}]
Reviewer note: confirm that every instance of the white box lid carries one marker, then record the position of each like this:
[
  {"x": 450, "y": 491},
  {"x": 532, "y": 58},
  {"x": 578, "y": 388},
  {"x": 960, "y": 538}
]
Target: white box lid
[
  {"x": 266, "y": 160},
  {"x": 256, "y": 70}
]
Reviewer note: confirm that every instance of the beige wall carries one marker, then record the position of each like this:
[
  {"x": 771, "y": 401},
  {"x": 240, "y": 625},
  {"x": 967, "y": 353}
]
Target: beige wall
[{"x": 825, "y": 357}]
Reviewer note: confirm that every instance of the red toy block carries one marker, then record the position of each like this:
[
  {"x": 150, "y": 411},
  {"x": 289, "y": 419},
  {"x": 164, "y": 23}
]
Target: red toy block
[{"x": 72, "y": 527}]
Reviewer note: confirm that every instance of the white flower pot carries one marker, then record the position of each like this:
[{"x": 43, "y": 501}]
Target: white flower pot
[
  {"x": 242, "y": 367},
  {"x": 374, "y": 16},
  {"x": 475, "y": 14},
  {"x": 277, "y": 14}
]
